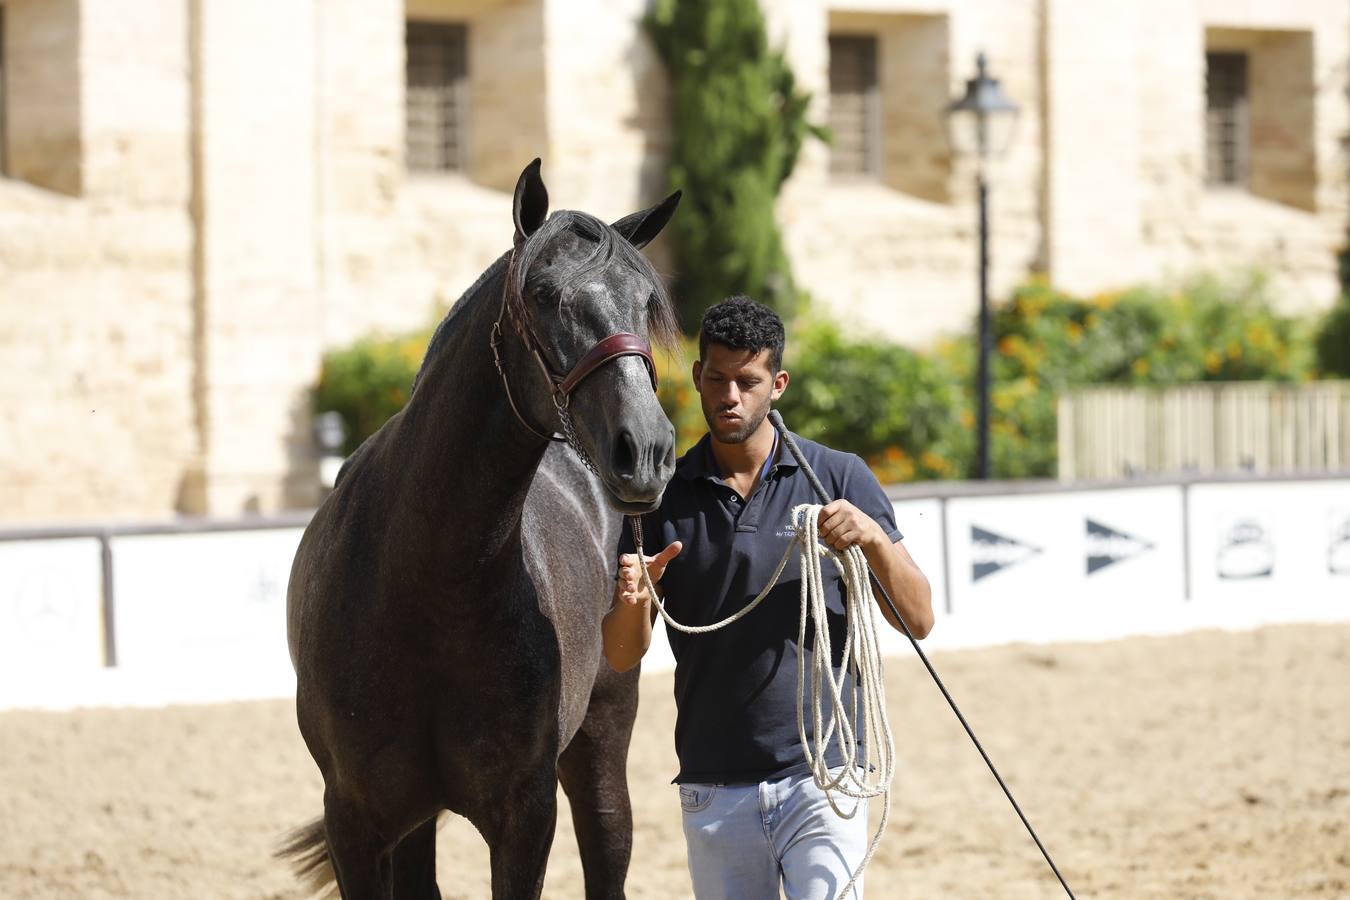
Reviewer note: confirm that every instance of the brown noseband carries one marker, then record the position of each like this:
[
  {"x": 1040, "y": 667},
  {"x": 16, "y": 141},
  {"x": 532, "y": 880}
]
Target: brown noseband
[{"x": 621, "y": 344}]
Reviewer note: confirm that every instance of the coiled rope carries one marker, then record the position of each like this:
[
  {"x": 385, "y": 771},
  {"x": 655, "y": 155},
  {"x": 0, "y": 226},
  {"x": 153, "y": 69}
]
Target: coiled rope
[{"x": 861, "y": 654}]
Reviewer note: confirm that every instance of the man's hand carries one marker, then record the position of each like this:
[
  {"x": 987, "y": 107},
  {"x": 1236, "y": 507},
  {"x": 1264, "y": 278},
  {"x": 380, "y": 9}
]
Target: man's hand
[
  {"x": 632, "y": 590},
  {"x": 842, "y": 524},
  {"x": 627, "y": 627}
]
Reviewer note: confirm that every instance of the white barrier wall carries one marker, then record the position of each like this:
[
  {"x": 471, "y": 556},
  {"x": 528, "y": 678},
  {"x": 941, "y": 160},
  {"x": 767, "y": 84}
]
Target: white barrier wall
[
  {"x": 920, "y": 521},
  {"x": 51, "y": 611},
  {"x": 208, "y": 608},
  {"x": 1068, "y": 565},
  {"x": 200, "y": 616}
]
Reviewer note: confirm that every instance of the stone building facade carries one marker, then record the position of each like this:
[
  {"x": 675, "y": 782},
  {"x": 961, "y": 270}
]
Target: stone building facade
[{"x": 200, "y": 196}]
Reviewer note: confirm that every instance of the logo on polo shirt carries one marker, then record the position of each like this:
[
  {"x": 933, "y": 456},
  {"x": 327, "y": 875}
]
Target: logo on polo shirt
[
  {"x": 1106, "y": 546},
  {"x": 990, "y": 552},
  {"x": 1338, "y": 553}
]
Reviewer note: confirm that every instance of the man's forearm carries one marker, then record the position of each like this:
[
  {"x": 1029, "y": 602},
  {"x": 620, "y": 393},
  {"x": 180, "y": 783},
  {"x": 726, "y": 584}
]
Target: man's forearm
[
  {"x": 904, "y": 583},
  {"x": 627, "y": 633}
]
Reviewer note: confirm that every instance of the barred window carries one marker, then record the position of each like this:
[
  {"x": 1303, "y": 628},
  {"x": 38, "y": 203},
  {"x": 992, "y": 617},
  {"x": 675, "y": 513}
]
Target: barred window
[
  {"x": 1227, "y": 119},
  {"x": 437, "y": 110},
  {"x": 855, "y": 106}
]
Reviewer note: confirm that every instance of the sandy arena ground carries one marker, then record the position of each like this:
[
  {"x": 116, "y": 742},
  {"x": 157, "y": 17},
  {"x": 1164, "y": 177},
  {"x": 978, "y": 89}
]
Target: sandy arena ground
[{"x": 1211, "y": 765}]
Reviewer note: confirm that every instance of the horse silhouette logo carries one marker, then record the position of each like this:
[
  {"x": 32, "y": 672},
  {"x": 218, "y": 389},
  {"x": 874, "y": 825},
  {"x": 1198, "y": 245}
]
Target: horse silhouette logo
[{"x": 1245, "y": 551}]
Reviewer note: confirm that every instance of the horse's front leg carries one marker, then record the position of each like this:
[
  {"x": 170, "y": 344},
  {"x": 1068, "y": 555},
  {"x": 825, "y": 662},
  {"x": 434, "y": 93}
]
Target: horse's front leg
[
  {"x": 357, "y": 851},
  {"x": 594, "y": 773},
  {"x": 519, "y": 831}
]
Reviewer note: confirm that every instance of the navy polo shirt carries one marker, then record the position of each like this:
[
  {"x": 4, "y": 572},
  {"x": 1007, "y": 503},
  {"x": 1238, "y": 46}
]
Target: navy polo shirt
[{"x": 736, "y": 688}]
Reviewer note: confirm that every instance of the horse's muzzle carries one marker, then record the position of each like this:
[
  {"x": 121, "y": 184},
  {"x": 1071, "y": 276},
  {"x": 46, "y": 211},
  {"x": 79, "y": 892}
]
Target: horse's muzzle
[{"x": 639, "y": 466}]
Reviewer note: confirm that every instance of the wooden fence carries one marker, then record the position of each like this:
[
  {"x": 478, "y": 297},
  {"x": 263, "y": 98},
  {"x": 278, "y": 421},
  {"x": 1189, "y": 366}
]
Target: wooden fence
[{"x": 1112, "y": 432}]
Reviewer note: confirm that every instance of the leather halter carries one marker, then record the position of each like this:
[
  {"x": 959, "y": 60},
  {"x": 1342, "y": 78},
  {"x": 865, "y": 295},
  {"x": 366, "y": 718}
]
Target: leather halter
[{"x": 623, "y": 343}]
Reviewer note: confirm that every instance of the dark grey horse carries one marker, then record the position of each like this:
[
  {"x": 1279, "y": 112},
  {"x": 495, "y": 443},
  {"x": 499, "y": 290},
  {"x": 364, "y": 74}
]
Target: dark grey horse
[{"x": 445, "y": 602}]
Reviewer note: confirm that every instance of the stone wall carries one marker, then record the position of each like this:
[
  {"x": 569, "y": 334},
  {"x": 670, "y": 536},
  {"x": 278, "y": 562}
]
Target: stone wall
[
  {"x": 896, "y": 256},
  {"x": 205, "y": 195},
  {"x": 397, "y": 248},
  {"x": 96, "y": 316},
  {"x": 42, "y": 93},
  {"x": 1293, "y": 217},
  {"x": 257, "y": 307}
]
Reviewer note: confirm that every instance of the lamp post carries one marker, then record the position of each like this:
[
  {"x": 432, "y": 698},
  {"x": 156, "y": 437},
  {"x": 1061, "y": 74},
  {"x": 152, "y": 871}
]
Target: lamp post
[{"x": 981, "y": 122}]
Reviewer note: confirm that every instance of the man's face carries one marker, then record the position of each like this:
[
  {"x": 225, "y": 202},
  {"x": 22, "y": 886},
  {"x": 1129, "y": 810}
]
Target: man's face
[{"x": 736, "y": 388}]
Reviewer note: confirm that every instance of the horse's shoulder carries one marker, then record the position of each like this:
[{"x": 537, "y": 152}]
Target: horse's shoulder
[{"x": 565, "y": 498}]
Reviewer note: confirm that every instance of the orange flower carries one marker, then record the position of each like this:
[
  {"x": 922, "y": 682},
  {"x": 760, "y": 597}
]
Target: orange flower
[{"x": 934, "y": 463}]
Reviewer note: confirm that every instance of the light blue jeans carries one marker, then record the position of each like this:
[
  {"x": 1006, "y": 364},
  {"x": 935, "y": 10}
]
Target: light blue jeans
[{"x": 749, "y": 841}]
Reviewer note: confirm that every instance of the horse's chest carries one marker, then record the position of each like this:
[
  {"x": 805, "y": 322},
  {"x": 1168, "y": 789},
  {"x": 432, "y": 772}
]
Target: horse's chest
[
  {"x": 579, "y": 653},
  {"x": 537, "y": 682}
]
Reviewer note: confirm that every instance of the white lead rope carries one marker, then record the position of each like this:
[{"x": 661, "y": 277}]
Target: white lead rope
[{"x": 861, "y": 653}]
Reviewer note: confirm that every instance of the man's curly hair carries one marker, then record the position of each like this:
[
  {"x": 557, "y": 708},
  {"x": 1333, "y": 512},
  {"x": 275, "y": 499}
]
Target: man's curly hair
[{"x": 740, "y": 323}]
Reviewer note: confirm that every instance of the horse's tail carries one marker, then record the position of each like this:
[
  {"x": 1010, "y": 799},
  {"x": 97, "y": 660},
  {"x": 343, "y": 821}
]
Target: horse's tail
[{"x": 306, "y": 848}]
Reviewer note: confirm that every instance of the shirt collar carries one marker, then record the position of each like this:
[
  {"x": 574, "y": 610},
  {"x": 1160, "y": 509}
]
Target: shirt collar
[{"x": 698, "y": 461}]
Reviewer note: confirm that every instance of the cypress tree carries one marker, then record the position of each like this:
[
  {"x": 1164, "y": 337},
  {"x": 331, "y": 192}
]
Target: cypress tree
[{"x": 739, "y": 122}]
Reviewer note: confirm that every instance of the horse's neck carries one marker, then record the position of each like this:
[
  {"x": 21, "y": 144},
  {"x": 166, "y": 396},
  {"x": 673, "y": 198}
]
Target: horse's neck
[{"x": 469, "y": 460}]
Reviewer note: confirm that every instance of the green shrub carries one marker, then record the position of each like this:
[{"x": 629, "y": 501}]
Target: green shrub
[
  {"x": 1048, "y": 342},
  {"x": 899, "y": 410},
  {"x": 1333, "y": 340},
  {"x": 911, "y": 414},
  {"x": 368, "y": 381}
]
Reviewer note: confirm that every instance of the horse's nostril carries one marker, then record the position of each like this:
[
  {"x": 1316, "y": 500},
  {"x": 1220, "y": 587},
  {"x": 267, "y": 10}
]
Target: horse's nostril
[
  {"x": 624, "y": 461},
  {"x": 668, "y": 457}
]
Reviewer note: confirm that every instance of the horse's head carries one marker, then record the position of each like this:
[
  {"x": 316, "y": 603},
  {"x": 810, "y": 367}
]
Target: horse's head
[{"x": 586, "y": 304}]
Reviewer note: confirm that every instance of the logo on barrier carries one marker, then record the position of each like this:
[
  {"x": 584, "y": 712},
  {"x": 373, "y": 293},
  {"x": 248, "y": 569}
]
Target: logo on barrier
[
  {"x": 990, "y": 552},
  {"x": 1106, "y": 546},
  {"x": 39, "y": 600},
  {"x": 266, "y": 588},
  {"x": 1338, "y": 552},
  {"x": 1245, "y": 551}
]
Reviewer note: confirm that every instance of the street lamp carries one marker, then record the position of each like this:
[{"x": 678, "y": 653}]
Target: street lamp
[{"x": 982, "y": 122}]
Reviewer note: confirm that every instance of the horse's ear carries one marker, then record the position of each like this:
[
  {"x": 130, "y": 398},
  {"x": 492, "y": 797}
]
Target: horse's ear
[
  {"x": 530, "y": 207},
  {"x": 641, "y": 227}
]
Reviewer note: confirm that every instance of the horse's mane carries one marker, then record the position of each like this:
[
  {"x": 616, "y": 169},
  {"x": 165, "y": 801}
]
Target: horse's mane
[{"x": 443, "y": 328}]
